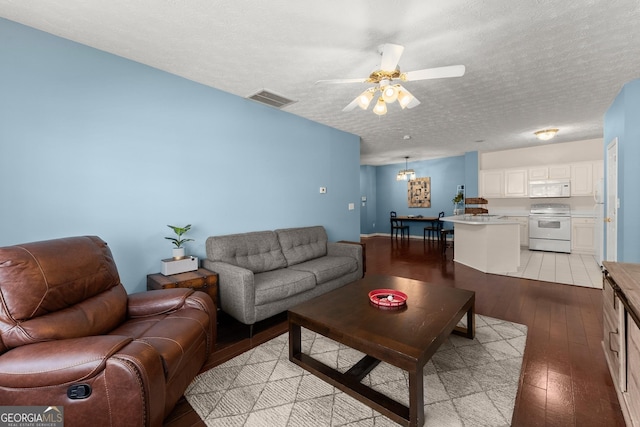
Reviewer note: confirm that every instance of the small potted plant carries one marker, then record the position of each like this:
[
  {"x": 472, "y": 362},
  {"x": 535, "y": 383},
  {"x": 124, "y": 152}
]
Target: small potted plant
[
  {"x": 178, "y": 251},
  {"x": 456, "y": 203}
]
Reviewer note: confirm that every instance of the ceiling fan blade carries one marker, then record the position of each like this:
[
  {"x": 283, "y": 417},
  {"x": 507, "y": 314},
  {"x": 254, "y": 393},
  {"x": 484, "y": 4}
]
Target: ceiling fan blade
[
  {"x": 435, "y": 73},
  {"x": 353, "y": 104},
  {"x": 391, "y": 54},
  {"x": 336, "y": 81}
]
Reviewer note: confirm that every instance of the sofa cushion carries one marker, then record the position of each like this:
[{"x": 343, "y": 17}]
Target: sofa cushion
[
  {"x": 328, "y": 268},
  {"x": 302, "y": 244},
  {"x": 280, "y": 284},
  {"x": 256, "y": 251}
]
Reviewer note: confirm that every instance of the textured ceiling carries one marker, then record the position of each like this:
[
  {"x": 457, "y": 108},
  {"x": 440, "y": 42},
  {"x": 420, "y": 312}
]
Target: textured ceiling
[{"x": 530, "y": 64}]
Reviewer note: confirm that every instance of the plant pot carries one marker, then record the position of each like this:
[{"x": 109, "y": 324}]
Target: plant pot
[{"x": 178, "y": 253}]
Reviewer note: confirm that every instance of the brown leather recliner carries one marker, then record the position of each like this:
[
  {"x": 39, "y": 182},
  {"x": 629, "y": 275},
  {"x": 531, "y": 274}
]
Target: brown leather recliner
[{"x": 70, "y": 336}]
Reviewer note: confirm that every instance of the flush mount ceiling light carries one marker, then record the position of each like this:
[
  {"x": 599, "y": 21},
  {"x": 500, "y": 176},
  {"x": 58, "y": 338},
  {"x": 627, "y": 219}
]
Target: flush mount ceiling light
[
  {"x": 406, "y": 173},
  {"x": 385, "y": 76},
  {"x": 546, "y": 134}
]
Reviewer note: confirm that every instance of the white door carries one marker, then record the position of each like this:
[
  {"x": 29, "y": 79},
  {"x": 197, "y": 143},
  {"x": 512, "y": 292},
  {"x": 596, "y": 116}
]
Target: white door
[{"x": 612, "y": 201}]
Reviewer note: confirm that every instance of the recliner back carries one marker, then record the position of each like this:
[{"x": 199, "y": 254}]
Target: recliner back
[{"x": 73, "y": 290}]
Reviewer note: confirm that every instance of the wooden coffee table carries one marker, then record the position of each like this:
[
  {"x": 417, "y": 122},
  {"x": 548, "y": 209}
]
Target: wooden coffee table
[{"x": 404, "y": 337}]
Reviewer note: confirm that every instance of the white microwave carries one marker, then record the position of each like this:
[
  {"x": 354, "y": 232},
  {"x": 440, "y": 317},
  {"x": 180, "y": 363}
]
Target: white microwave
[{"x": 550, "y": 188}]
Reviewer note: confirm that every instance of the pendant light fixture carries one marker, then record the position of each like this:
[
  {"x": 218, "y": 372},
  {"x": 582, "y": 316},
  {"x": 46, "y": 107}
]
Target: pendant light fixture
[{"x": 406, "y": 174}]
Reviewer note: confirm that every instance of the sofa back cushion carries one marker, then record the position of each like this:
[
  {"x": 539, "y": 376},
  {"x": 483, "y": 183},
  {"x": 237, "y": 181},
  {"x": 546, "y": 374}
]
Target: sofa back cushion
[
  {"x": 302, "y": 244},
  {"x": 257, "y": 251},
  {"x": 57, "y": 289}
]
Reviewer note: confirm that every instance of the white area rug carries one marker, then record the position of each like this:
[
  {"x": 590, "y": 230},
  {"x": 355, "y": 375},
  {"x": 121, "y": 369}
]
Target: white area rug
[{"x": 466, "y": 383}]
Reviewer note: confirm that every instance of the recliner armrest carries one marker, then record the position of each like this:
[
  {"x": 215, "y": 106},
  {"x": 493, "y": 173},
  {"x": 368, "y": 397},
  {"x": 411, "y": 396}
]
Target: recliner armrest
[
  {"x": 153, "y": 303},
  {"x": 52, "y": 363}
]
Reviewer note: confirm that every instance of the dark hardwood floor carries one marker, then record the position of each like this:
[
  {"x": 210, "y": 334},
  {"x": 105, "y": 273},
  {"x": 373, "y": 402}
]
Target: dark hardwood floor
[{"x": 564, "y": 379}]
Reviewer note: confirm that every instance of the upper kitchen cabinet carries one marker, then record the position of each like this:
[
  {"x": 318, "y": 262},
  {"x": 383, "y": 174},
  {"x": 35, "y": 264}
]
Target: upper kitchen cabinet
[
  {"x": 516, "y": 183},
  {"x": 560, "y": 172},
  {"x": 491, "y": 183},
  {"x": 550, "y": 172},
  {"x": 499, "y": 183},
  {"x": 582, "y": 174},
  {"x": 582, "y": 179}
]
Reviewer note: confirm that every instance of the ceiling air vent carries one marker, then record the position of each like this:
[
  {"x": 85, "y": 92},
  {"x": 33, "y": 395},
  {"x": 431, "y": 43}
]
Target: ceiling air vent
[{"x": 271, "y": 99}]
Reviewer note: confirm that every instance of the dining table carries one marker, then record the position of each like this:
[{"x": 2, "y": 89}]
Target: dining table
[{"x": 414, "y": 218}]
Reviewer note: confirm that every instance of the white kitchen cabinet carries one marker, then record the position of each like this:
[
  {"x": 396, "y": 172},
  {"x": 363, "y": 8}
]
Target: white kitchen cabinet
[
  {"x": 538, "y": 173},
  {"x": 550, "y": 172},
  {"x": 516, "y": 183},
  {"x": 598, "y": 173},
  {"x": 560, "y": 171},
  {"x": 524, "y": 228},
  {"x": 491, "y": 183},
  {"x": 582, "y": 235},
  {"x": 582, "y": 179}
]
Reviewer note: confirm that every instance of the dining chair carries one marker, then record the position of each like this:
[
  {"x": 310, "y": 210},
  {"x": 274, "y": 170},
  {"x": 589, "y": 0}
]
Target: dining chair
[
  {"x": 433, "y": 229},
  {"x": 444, "y": 233},
  {"x": 396, "y": 224}
]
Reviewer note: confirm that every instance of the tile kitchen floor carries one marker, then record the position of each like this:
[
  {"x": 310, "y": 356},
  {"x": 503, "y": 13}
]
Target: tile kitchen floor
[{"x": 572, "y": 269}]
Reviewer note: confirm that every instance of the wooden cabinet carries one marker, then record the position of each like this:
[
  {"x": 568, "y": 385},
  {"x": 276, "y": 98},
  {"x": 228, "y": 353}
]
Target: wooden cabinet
[
  {"x": 582, "y": 235},
  {"x": 516, "y": 183},
  {"x": 491, "y": 183},
  {"x": 199, "y": 280},
  {"x": 621, "y": 339},
  {"x": 612, "y": 314},
  {"x": 632, "y": 396}
]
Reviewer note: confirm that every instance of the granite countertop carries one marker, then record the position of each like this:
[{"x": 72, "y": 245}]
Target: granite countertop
[{"x": 479, "y": 219}]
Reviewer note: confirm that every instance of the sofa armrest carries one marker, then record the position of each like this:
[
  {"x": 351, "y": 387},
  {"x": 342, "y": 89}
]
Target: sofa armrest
[
  {"x": 153, "y": 303},
  {"x": 236, "y": 290},
  {"x": 346, "y": 249}
]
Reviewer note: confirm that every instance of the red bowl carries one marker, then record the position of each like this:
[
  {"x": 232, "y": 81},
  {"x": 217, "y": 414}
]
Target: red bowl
[{"x": 381, "y": 298}]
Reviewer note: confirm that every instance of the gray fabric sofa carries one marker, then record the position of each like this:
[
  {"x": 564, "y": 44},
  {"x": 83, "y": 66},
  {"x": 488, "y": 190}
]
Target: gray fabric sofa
[{"x": 264, "y": 273}]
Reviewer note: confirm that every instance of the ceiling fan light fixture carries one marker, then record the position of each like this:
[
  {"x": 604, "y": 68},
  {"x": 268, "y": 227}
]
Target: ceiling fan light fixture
[
  {"x": 380, "y": 107},
  {"x": 546, "y": 134},
  {"x": 404, "y": 98},
  {"x": 365, "y": 99},
  {"x": 390, "y": 93}
]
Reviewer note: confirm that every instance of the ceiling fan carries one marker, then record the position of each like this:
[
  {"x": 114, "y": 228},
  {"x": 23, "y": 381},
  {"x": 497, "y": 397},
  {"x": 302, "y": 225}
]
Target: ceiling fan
[{"x": 385, "y": 78}]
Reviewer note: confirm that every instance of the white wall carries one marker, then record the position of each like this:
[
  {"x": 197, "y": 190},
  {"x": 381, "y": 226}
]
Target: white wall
[{"x": 544, "y": 154}]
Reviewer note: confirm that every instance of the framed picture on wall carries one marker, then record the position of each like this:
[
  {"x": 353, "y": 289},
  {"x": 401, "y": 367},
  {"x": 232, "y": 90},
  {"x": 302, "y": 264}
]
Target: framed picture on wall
[{"x": 419, "y": 193}]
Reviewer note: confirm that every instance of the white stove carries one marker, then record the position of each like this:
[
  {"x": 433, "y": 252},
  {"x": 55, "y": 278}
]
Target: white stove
[{"x": 550, "y": 227}]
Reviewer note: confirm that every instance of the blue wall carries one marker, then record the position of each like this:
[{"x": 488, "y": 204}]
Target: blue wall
[
  {"x": 91, "y": 143},
  {"x": 391, "y": 195},
  {"x": 621, "y": 121}
]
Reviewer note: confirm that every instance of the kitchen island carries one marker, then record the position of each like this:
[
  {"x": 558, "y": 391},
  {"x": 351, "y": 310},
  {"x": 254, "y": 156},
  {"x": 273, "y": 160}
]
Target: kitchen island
[{"x": 487, "y": 243}]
